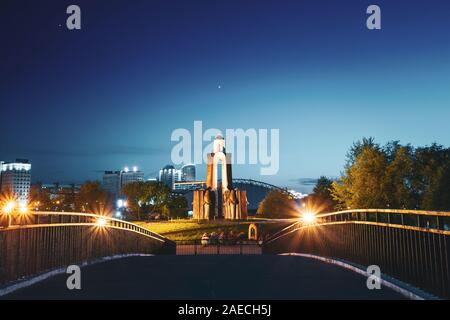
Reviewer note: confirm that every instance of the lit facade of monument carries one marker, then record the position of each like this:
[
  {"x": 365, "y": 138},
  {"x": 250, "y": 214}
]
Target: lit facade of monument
[{"x": 219, "y": 200}]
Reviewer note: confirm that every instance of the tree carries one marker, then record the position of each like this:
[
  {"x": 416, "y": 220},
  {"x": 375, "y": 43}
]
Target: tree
[
  {"x": 321, "y": 198},
  {"x": 92, "y": 198},
  {"x": 362, "y": 185},
  {"x": 397, "y": 186},
  {"x": 160, "y": 199},
  {"x": 432, "y": 168},
  {"x": 177, "y": 206},
  {"x": 358, "y": 147},
  {"x": 137, "y": 194},
  {"x": 40, "y": 198},
  {"x": 395, "y": 176},
  {"x": 151, "y": 198},
  {"x": 277, "y": 204},
  {"x": 437, "y": 196}
]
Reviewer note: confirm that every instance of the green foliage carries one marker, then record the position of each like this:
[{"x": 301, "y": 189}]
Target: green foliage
[
  {"x": 398, "y": 178},
  {"x": 277, "y": 204},
  {"x": 154, "y": 198},
  {"x": 433, "y": 177},
  {"x": 93, "y": 198},
  {"x": 394, "y": 176},
  {"x": 321, "y": 198},
  {"x": 40, "y": 198},
  {"x": 178, "y": 207}
]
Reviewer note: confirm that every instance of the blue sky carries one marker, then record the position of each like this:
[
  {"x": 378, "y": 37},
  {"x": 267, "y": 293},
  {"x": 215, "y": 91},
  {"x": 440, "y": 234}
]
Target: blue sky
[{"x": 110, "y": 94}]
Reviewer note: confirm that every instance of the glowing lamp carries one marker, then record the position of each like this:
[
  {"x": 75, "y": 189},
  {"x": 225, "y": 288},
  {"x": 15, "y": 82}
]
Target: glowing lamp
[
  {"x": 9, "y": 207},
  {"x": 309, "y": 218},
  {"x": 101, "y": 222}
]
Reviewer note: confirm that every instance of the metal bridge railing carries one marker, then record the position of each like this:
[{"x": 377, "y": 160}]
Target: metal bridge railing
[
  {"x": 67, "y": 218},
  {"x": 429, "y": 221},
  {"x": 41, "y": 241},
  {"x": 410, "y": 245}
]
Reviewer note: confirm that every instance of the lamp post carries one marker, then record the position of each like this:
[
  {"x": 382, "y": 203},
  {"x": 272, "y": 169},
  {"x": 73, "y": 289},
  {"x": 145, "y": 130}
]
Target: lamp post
[
  {"x": 8, "y": 210},
  {"x": 12, "y": 209}
]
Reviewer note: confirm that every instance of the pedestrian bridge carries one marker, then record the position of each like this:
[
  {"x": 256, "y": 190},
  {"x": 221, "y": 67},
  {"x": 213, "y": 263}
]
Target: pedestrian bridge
[{"x": 411, "y": 246}]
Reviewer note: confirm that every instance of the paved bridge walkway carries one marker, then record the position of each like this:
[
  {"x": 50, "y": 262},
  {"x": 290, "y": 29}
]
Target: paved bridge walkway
[{"x": 210, "y": 277}]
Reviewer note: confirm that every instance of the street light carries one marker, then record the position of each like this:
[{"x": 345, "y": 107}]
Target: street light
[
  {"x": 309, "y": 217},
  {"x": 101, "y": 222},
  {"x": 12, "y": 208},
  {"x": 9, "y": 207},
  {"x": 23, "y": 207},
  {"x": 23, "y": 210}
]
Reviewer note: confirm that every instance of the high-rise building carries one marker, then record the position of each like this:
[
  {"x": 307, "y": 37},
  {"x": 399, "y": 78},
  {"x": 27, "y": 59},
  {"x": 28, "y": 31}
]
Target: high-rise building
[
  {"x": 188, "y": 173},
  {"x": 177, "y": 176},
  {"x": 167, "y": 175},
  {"x": 170, "y": 176},
  {"x": 15, "y": 178},
  {"x": 113, "y": 181},
  {"x": 128, "y": 176}
]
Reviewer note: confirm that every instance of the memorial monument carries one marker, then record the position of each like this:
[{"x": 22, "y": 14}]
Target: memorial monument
[{"x": 219, "y": 200}]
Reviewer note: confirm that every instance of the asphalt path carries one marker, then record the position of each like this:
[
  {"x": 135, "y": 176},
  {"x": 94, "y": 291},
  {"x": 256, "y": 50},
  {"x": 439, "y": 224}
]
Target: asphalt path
[{"x": 209, "y": 277}]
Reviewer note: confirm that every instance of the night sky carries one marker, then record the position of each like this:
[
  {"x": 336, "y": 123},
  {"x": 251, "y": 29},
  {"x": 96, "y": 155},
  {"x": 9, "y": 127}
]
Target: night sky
[{"x": 109, "y": 95}]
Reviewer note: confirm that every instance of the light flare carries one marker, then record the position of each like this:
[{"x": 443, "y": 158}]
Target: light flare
[
  {"x": 9, "y": 206},
  {"x": 101, "y": 222},
  {"x": 309, "y": 217}
]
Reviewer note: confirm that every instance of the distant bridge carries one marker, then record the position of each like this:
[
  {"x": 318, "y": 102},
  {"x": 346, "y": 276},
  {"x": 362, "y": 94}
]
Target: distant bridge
[{"x": 256, "y": 190}]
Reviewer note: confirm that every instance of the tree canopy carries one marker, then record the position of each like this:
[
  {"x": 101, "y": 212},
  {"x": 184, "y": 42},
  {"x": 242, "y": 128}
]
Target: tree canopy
[
  {"x": 154, "y": 198},
  {"x": 321, "y": 199},
  {"x": 93, "y": 198},
  {"x": 277, "y": 204},
  {"x": 394, "y": 176}
]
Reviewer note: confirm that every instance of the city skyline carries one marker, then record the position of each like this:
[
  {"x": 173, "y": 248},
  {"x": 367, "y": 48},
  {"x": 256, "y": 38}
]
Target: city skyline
[
  {"x": 110, "y": 94},
  {"x": 224, "y": 157}
]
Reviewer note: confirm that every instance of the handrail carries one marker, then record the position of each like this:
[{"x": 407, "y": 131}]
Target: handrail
[
  {"x": 410, "y": 245},
  {"x": 340, "y": 218},
  {"x": 391, "y": 211},
  {"x": 278, "y": 235},
  {"x": 110, "y": 222},
  {"x": 39, "y": 241}
]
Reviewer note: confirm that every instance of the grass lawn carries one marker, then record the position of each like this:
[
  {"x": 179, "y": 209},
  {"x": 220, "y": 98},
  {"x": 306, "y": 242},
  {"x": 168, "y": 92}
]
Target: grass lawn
[{"x": 193, "y": 230}]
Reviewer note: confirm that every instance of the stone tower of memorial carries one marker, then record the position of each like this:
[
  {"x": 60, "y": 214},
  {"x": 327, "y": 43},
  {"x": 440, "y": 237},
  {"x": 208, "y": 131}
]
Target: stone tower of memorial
[{"x": 219, "y": 200}]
